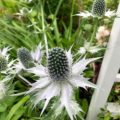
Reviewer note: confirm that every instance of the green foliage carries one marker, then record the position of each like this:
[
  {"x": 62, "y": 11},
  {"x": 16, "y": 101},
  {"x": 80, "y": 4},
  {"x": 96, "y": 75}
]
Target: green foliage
[
  {"x": 106, "y": 115},
  {"x": 26, "y": 24}
]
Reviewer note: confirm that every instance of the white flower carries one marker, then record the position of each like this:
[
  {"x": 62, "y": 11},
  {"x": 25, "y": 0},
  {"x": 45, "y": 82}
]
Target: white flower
[
  {"x": 35, "y": 56},
  {"x": 88, "y": 48},
  {"x": 59, "y": 78},
  {"x": 102, "y": 33},
  {"x": 87, "y": 14}
]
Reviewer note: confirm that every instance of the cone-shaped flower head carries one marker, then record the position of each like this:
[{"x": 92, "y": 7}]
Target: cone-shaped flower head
[
  {"x": 59, "y": 79},
  {"x": 3, "y": 63},
  {"x": 58, "y": 64},
  {"x": 99, "y": 7},
  {"x": 25, "y": 57}
]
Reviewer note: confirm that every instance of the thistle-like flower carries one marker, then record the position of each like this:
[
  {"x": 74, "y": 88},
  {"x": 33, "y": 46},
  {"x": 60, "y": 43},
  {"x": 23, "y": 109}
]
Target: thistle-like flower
[
  {"x": 98, "y": 10},
  {"x": 58, "y": 79},
  {"x": 27, "y": 59},
  {"x": 6, "y": 66},
  {"x": 99, "y": 7}
]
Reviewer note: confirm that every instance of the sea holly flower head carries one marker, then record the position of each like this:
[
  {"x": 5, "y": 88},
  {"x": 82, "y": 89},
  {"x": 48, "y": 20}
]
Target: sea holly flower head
[
  {"x": 27, "y": 59},
  {"x": 6, "y": 66},
  {"x": 98, "y": 10},
  {"x": 58, "y": 79},
  {"x": 99, "y": 7},
  {"x": 58, "y": 67}
]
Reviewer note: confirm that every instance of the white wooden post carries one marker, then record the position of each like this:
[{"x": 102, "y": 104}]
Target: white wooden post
[
  {"x": 108, "y": 72},
  {"x": 117, "y": 78}
]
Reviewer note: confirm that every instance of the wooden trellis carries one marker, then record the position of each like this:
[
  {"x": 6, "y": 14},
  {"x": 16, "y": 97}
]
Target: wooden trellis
[{"x": 108, "y": 73}]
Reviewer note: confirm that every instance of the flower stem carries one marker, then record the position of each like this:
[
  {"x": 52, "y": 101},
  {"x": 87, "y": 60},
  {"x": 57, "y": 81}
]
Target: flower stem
[
  {"x": 71, "y": 20},
  {"x": 25, "y": 80},
  {"x": 44, "y": 33},
  {"x": 94, "y": 30}
]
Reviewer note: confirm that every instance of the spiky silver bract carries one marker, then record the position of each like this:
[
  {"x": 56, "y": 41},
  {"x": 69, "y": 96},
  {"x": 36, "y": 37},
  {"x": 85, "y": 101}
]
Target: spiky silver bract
[
  {"x": 25, "y": 57},
  {"x": 99, "y": 7},
  {"x": 58, "y": 64}
]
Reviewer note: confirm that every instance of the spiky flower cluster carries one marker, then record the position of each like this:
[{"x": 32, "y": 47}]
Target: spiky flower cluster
[
  {"x": 25, "y": 57},
  {"x": 58, "y": 64},
  {"x": 3, "y": 63},
  {"x": 99, "y": 7}
]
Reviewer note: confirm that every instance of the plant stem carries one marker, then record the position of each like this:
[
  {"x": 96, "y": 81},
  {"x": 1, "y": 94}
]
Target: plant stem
[
  {"x": 44, "y": 32},
  {"x": 71, "y": 20},
  {"x": 58, "y": 7},
  {"x": 94, "y": 30}
]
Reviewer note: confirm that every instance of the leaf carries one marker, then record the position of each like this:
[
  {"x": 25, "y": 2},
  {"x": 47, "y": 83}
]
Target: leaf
[
  {"x": 16, "y": 107},
  {"x": 19, "y": 113}
]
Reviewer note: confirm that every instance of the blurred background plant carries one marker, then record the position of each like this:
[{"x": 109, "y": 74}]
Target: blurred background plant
[{"x": 26, "y": 23}]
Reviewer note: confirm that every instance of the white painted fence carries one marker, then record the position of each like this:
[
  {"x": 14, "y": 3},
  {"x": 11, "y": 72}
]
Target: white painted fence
[{"x": 108, "y": 72}]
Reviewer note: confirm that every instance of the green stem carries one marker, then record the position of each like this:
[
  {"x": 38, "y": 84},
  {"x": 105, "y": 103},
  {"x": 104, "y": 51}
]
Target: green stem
[
  {"x": 44, "y": 32},
  {"x": 94, "y": 30},
  {"x": 71, "y": 20},
  {"x": 58, "y": 7},
  {"x": 16, "y": 107}
]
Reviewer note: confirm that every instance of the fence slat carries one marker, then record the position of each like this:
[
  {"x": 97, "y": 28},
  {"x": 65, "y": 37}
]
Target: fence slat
[
  {"x": 117, "y": 78},
  {"x": 108, "y": 72}
]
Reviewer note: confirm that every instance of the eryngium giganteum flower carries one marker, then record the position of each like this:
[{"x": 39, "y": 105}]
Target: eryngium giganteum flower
[
  {"x": 58, "y": 79},
  {"x": 25, "y": 57},
  {"x": 99, "y": 7},
  {"x": 98, "y": 10},
  {"x": 28, "y": 59},
  {"x": 6, "y": 66}
]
